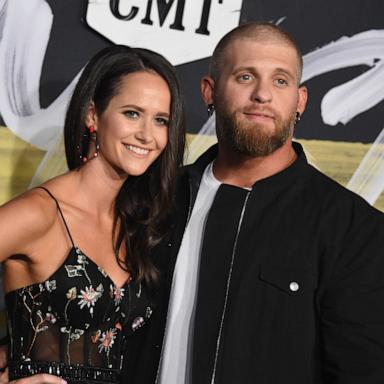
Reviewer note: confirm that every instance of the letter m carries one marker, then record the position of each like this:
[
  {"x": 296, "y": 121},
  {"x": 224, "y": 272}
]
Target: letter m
[{"x": 163, "y": 8}]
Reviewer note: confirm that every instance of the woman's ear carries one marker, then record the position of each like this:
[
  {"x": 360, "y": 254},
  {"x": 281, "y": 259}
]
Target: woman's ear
[{"x": 91, "y": 117}]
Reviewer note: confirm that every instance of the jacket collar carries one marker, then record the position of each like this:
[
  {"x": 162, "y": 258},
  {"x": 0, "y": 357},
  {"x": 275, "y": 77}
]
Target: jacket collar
[{"x": 196, "y": 170}]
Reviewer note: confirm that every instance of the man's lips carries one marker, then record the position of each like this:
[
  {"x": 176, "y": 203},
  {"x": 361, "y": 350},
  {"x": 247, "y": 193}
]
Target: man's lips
[{"x": 259, "y": 115}]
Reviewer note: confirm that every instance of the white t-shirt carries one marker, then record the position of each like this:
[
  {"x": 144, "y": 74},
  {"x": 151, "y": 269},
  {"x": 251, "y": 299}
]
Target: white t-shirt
[{"x": 176, "y": 358}]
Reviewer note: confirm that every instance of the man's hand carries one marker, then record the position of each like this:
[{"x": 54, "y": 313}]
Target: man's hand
[{"x": 3, "y": 356}]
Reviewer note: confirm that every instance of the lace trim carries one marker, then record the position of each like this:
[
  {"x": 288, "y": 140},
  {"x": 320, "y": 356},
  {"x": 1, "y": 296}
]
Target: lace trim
[{"x": 73, "y": 373}]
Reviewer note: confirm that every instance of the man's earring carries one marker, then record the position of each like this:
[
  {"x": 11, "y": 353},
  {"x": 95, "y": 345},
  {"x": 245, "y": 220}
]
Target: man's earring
[
  {"x": 298, "y": 117},
  {"x": 210, "y": 109}
]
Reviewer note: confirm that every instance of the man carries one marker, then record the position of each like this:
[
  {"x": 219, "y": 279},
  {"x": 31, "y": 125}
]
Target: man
[{"x": 280, "y": 273}]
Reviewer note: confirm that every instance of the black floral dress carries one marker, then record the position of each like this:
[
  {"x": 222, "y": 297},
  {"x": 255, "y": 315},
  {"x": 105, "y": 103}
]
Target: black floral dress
[{"x": 74, "y": 324}]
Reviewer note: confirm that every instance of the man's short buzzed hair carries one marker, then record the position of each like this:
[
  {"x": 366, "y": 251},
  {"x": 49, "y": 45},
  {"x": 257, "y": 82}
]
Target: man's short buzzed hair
[{"x": 259, "y": 32}]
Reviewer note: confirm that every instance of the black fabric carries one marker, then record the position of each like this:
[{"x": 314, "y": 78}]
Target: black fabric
[
  {"x": 143, "y": 350},
  {"x": 222, "y": 224},
  {"x": 75, "y": 323},
  {"x": 302, "y": 228}
]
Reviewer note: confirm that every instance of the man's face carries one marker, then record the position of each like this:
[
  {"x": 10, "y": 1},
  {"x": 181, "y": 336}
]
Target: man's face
[{"x": 257, "y": 96}]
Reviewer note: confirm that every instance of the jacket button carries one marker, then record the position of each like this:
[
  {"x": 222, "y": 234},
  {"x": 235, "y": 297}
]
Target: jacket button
[{"x": 293, "y": 286}]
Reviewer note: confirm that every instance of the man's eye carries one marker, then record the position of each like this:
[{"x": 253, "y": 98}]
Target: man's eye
[
  {"x": 245, "y": 77},
  {"x": 281, "y": 82},
  {"x": 161, "y": 121}
]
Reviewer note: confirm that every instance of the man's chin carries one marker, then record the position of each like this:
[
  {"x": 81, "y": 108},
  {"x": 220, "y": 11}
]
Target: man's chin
[{"x": 256, "y": 126}]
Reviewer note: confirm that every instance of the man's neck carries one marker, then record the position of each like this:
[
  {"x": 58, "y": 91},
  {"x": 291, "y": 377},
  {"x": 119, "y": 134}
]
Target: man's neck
[{"x": 233, "y": 168}]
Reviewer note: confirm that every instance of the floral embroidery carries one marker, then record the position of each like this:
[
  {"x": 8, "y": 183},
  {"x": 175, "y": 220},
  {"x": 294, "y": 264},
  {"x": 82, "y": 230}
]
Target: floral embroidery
[
  {"x": 126, "y": 309},
  {"x": 90, "y": 296},
  {"x": 50, "y": 317},
  {"x": 75, "y": 335},
  {"x": 148, "y": 312},
  {"x": 117, "y": 294},
  {"x": 81, "y": 259},
  {"x": 102, "y": 271},
  {"x": 95, "y": 338},
  {"x": 50, "y": 285},
  {"x": 138, "y": 294},
  {"x": 137, "y": 323},
  {"x": 71, "y": 293},
  {"x": 74, "y": 270},
  {"x": 107, "y": 339},
  {"x": 72, "y": 336}
]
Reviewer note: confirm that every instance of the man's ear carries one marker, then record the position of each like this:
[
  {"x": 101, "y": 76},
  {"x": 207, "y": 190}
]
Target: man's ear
[
  {"x": 91, "y": 117},
  {"x": 207, "y": 87},
  {"x": 303, "y": 97}
]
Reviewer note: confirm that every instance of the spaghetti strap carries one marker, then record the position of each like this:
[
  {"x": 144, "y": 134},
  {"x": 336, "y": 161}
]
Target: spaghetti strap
[{"x": 61, "y": 213}]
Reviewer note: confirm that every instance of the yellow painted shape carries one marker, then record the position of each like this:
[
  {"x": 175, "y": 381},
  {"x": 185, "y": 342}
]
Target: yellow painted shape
[
  {"x": 338, "y": 160},
  {"x": 18, "y": 162}
]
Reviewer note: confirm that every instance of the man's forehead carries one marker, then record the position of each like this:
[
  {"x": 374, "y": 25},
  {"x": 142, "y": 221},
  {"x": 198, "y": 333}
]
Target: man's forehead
[
  {"x": 253, "y": 44},
  {"x": 250, "y": 52}
]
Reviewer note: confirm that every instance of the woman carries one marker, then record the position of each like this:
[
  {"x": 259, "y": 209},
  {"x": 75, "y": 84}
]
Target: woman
[{"x": 75, "y": 250}]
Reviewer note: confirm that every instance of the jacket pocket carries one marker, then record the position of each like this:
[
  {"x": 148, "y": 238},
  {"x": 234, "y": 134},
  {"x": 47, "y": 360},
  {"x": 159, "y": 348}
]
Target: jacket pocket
[{"x": 293, "y": 281}]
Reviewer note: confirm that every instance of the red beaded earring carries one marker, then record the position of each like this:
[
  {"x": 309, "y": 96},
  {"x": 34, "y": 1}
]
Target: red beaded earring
[{"x": 93, "y": 137}]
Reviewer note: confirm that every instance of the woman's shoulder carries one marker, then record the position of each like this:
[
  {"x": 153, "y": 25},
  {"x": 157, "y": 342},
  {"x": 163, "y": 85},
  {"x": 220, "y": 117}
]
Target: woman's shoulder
[
  {"x": 33, "y": 211},
  {"x": 39, "y": 204},
  {"x": 33, "y": 204},
  {"x": 24, "y": 220}
]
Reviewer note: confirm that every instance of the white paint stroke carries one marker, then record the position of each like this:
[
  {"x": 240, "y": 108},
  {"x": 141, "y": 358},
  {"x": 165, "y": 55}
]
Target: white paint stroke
[
  {"x": 344, "y": 102},
  {"x": 368, "y": 179},
  {"x": 348, "y": 100},
  {"x": 195, "y": 147},
  {"x": 25, "y": 36}
]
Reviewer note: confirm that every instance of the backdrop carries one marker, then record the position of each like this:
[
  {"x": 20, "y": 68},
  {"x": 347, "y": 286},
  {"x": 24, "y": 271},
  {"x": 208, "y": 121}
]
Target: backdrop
[{"x": 44, "y": 44}]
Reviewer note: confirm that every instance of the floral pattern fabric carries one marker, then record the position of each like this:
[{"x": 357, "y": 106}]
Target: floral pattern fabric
[{"x": 77, "y": 316}]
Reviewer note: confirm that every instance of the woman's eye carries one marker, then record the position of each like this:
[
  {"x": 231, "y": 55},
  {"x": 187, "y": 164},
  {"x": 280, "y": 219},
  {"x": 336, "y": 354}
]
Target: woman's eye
[
  {"x": 161, "y": 121},
  {"x": 131, "y": 114}
]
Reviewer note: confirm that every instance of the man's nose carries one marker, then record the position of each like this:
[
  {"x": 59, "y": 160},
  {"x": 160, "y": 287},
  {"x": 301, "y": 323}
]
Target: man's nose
[{"x": 261, "y": 92}]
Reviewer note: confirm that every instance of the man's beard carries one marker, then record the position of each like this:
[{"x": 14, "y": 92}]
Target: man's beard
[{"x": 254, "y": 139}]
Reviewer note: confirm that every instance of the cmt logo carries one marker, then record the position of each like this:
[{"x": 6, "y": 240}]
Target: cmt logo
[{"x": 181, "y": 30}]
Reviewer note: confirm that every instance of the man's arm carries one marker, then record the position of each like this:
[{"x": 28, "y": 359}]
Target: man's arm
[{"x": 352, "y": 309}]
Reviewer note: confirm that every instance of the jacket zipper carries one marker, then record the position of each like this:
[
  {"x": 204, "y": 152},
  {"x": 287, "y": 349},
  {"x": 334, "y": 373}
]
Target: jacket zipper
[
  {"x": 227, "y": 289},
  {"x": 166, "y": 317}
]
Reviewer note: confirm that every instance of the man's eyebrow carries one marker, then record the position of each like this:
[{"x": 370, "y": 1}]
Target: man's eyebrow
[
  {"x": 244, "y": 69},
  {"x": 286, "y": 72},
  {"x": 253, "y": 70}
]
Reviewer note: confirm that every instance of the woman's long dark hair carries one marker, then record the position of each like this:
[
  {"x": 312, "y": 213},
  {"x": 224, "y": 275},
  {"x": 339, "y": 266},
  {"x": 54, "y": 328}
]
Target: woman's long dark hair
[{"x": 143, "y": 203}]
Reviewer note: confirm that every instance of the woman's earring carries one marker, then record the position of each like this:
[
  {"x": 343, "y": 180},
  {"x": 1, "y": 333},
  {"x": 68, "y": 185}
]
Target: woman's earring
[
  {"x": 210, "y": 109},
  {"x": 97, "y": 145},
  {"x": 92, "y": 137}
]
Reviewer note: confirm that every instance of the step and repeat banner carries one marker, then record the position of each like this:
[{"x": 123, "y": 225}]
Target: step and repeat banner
[{"x": 44, "y": 44}]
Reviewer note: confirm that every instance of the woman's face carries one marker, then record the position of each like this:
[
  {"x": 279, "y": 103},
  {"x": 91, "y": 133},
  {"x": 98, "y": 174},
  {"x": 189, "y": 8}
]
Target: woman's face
[{"x": 133, "y": 130}]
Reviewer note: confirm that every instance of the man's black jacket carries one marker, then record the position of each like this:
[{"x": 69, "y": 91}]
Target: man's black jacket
[{"x": 291, "y": 284}]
